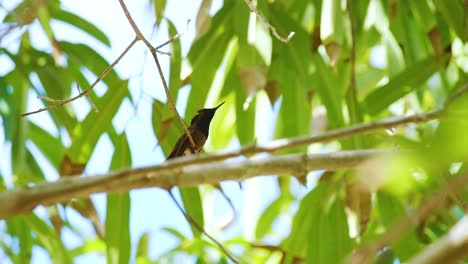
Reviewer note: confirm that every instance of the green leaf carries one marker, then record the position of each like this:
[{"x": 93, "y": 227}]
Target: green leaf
[
  {"x": 414, "y": 39},
  {"x": 166, "y": 127},
  {"x": 87, "y": 133},
  {"x": 159, "y": 7},
  {"x": 48, "y": 239},
  {"x": 143, "y": 246},
  {"x": 117, "y": 234},
  {"x": 87, "y": 57},
  {"x": 307, "y": 216},
  {"x": 328, "y": 89},
  {"x": 89, "y": 246},
  {"x": 206, "y": 57},
  {"x": 454, "y": 12},
  {"x": 329, "y": 239},
  {"x": 18, "y": 149},
  {"x": 289, "y": 67},
  {"x": 391, "y": 212},
  {"x": 222, "y": 126},
  {"x": 44, "y": 140},
  {"x": 175, "y": 233},
  {"x": 332, "y": 27},
  {"x": 245, "y": 118},
  {"x": 401, "y": 84},
  {"x": 175, "y": 61},
  {"x": 271, "y": 213},
  {"x": 82, "y": 24},
  {"x": 193, "y": 206},
  {"x": 18, "y": 228}
]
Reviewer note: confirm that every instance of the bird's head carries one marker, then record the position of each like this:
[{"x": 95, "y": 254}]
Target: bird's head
[{"x": 204, "y": 117}]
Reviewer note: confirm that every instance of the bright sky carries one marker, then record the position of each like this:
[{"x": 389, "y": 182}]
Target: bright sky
[{"x": 151, "y": 209}]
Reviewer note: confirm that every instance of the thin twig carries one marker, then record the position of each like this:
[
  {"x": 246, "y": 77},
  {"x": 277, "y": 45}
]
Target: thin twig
[
  {"x": 140, "y": 36},
  {"x": 202, "y": 230},
  {"x": 173, "y": 38},
  {"x": 267, "y": 24},
  {"x": 456, "y": 94},
  {"x": 59, "y": 103},
  {"x": 89, "y": 99}
]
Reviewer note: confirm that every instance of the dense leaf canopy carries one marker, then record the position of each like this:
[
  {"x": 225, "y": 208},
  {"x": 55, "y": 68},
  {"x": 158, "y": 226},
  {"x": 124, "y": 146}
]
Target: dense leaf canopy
[{"x": 351, "y": 71}]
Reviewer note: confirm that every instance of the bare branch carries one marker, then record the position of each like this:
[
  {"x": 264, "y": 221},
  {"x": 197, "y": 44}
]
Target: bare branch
[
  {"x": 158, "y": 66},
  {"x": 174, "y": 173},
  {"x": 59, "y": 103},
  {"x": 267, "y": 24},
  {"x": 201, "y": 229},
  {"x": 173, "y": 38}
]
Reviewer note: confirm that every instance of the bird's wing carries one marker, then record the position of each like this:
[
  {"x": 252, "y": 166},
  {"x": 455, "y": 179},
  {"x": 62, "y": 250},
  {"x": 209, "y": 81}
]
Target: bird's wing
[{"x": 181, "y": 147}]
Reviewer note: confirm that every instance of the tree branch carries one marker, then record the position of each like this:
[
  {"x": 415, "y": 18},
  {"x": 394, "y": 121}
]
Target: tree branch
[
  {"x": 267, "y": 24},
  {"x": 450, "y": 248},
  {"x": 368, "y": 251},
  {"x": 173, "y": 173},
  {"x": 283, "y": 144},
  {"x": 158, "y": 66},
  {"x": 59, "y": 103}
]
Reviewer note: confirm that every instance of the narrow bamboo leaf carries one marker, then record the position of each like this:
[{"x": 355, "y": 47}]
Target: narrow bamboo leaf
[
  {"x": 159, "y": 7},
  {"x": 327, "y": 88},
  {"x": 175, "y": 61},
  {"x": 82, "y": 24},
  {"x": 307, "y": 216},
  {"x": 18, "y": 228},
  {"x": 203, "y": 76},
  {"x": 43, "y": 16},
  {"x": 7, "y": 109},
  {"x": 175, "y": 233},
  {"x": 89, "y": 246},
  {"x": 193, "y": 206},
  {"x": 48, "y": 239},
  {"x": 43, "y": 140},
  {"x": 18, "y": 149},
  {"x": 89, "y": 58},
  {"x": 165, "y": 126},
  {"x": 245, "y": 118},
  {"x": 329, "y": 240},
  {"x": 391, "y": 212},
  {"x": 206, "y": 56},
  {"x": 117, "y": 233},
  {"x": 414, "y": 40},
  {"x": 56, "y": 81},
  {"x": 222, "y": 127},
  {"x": 332, "y": 24},
  {"x": 289, "y": 67},
  {"x": 400, "y": 85},
  {"x": 87, "y": 133},
  {"x": 271, "y": 213},
  {"x": 423, "y": 14},
  {"x": 143, "y": 246},
  {"x": 454, "y": 12}
]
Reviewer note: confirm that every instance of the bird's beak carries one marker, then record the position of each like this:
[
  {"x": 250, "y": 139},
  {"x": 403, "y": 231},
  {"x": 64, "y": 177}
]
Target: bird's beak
[{"x": 216, "y": 108}]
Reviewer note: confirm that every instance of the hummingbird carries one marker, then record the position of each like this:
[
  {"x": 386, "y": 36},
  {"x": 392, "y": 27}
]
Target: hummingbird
[{"x": 199, "y": 130}]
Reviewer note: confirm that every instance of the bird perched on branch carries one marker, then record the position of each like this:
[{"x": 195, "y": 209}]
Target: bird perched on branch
[{"x": 199, "y": 130}]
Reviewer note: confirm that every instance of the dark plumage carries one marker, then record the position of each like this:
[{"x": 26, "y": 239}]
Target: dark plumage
[{"x": 199, "y": 129}]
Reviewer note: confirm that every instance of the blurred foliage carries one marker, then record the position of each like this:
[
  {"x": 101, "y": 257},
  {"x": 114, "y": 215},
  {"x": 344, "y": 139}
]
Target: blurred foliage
[{"x": 409, "y": 57}]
